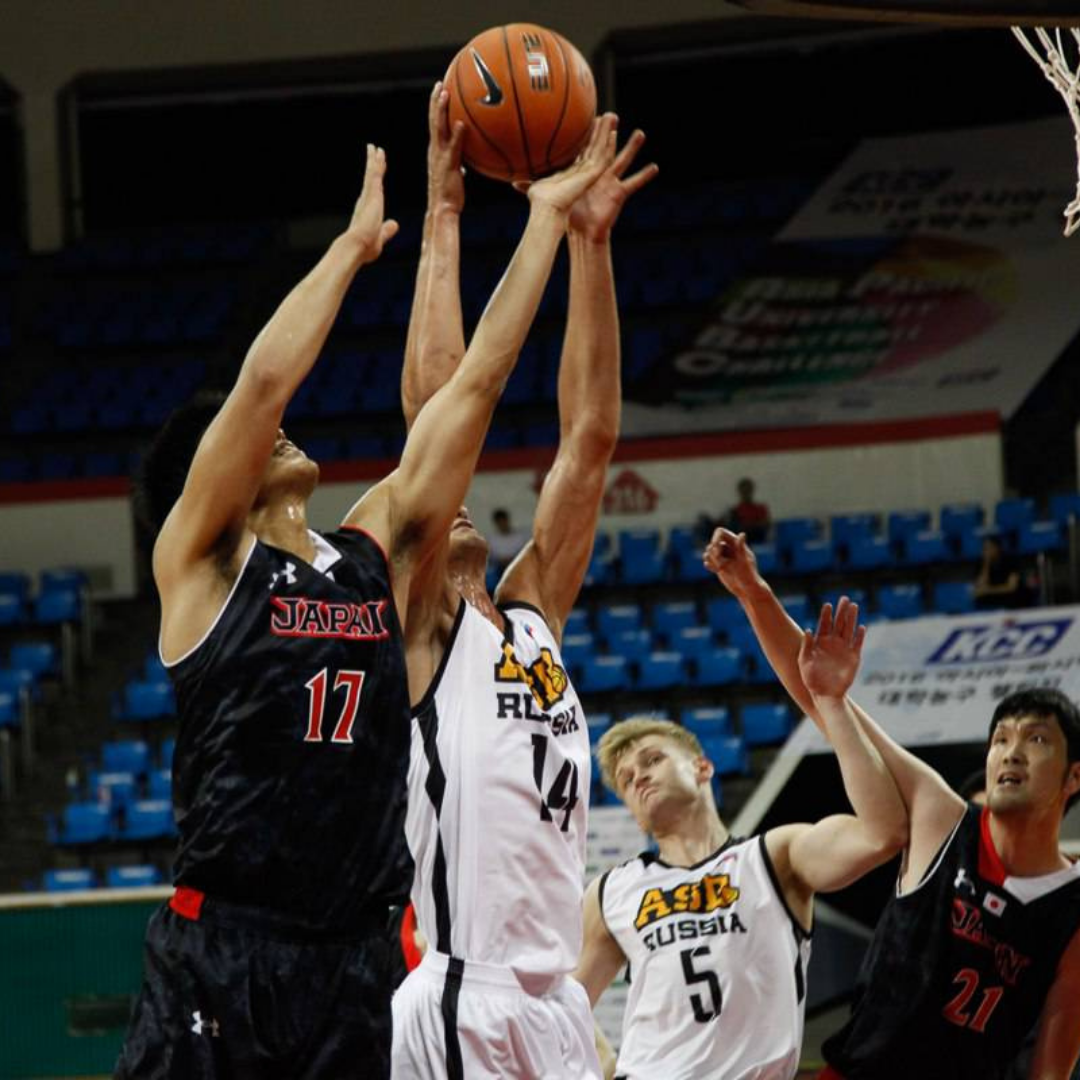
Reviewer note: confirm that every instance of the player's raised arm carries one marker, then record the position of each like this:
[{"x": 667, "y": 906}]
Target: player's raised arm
[
  {"x": 550, "y": 569},
  {"x": 417, "y": 503},
  {"x": 933, "y": 807},
  {"x": 436, "y": 339},
  {"x": 228, "y": 467},
  {"x": 838, "y": 850}
]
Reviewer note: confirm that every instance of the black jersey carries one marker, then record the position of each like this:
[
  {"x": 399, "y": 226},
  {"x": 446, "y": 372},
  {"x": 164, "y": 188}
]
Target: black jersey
[
  {"x": 959, "y": 967},
  {"x": 289, "y": 778}
]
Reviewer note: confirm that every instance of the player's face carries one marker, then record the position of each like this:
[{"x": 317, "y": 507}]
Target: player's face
[
  {"x": 465, "y": 538},
  {"x": 289, "y": 467},
  {"x": 657, "y": 777},
  {"x": 1027, "y": 766}
]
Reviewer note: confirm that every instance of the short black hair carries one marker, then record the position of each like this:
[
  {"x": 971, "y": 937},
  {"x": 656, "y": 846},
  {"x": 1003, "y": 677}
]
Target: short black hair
[
  {"x": 1048, "y": 703},
  {"x": 973, "y": 784},
  {"x": 164, "y": 467}
]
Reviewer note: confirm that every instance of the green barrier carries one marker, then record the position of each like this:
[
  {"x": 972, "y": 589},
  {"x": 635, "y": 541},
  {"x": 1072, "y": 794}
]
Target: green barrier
[{"x": 70, "y": 966}]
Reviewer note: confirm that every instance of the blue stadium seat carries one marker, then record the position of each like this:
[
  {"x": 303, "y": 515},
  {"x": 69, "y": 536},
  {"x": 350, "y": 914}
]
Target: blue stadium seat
[
  {"x": 728, "y": 753},
  {"x": 856, "y": 596},
  {"x": 62, "y": 577},
  {"x": 809, "y": 556},
  {"x": 768, "y": 558},
  {"x": 956, "y": 518},
  {"x": 113, "y": 788},
  {"x": 599, "y": 571},
  {"x": 68, "y": 880},
  {"x": 12, "y": 611},
  {"x": 707, "y": 721},
  {"x": 16, "y": 582},
  {"x": 764, "y": 724},
  {"x": 598, "y": 723},
  {"x": 868, "y": 553},
  {"x": 613, "y": 618},
  {"x": 165, "y": 754},
  {"x": 153, "y": 669},
  {"x": 19, "y": 681},
  {"x": 900, "y": 601},
  {"x": 902, "y": 523},
  {"x": 147, "y": 701},
  {"x": 953, "y": 597},
  {"x": 719, "y": 667},
  {"x": 577, "y": 622},
  {"x": 922, "y": 548},
  {"x": 603, "y": 673},
  {"x": 148, "y": 819},
  {"x": 756, "y": 664},
  {"x": 791, "y": 531},
  {"x": 577, "y": 648},
  {"x": 632, "y": 645},
  {"x": 160, "y": 785},
  {"x": 83, "y": 823},
  {"x": 668, "y": 619},
  {"x": 1010, "y": 515},
  {"x": 1037, "y": 536},
  {"x": 126, "y": 755},
  {"x": 598, "y": 794},
  {"x": 40, "y": 657},
  {"x": 846, "y": 528},
  {"x": 693, "y": 642},
  {"x": 659, "y": 671},
  {"x": 1064, "y": 506},
  {"x": 640, "y": 559},
  {"x": 58, "y": 606},
  {"x": 684, "y": 554},
  {"x": 723, "y": 613},
  {"x": 132, "y": 877}
]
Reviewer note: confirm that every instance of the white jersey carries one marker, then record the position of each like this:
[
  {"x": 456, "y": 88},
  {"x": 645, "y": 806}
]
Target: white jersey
[
  {"x": 498, "y": 795},
  {"x": 717, "y": 967}
]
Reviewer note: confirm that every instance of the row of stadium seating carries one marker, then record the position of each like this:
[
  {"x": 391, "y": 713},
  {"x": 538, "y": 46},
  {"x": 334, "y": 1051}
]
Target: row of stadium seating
[{"x": 116, "y": 877}]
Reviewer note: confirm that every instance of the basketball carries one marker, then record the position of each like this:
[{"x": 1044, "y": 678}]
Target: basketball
[{"x": 527, "y": 99}]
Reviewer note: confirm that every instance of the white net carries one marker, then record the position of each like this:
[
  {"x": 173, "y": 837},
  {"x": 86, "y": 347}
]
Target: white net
[{"x": 1057, "y": 52}]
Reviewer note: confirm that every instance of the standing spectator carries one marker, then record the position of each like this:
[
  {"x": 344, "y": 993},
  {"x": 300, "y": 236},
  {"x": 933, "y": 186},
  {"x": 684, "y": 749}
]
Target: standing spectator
[{"x": 505, "y": 542}]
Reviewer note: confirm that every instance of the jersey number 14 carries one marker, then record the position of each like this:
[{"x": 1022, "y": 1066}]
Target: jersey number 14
[{"x": 562, "y": 794}]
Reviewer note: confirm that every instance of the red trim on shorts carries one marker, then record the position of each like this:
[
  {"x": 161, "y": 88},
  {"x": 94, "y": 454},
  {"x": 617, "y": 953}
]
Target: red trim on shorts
[
  {"x": 407, "y": 934},
  {"x": 187, "y": 902},
  {"x": 829, "y": 1073},
  {"x": 990, "y": 865}
]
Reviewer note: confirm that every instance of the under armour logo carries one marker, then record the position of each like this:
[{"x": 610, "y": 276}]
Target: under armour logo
[
  {"x": 494, "y": 94},
  {"x": 964, "y": 882},
  {"x": 202, "y": 1027},
  {"x": 289, "y": 574}
]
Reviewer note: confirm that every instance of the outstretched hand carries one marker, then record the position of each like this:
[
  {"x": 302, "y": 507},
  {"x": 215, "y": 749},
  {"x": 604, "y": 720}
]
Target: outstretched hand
[
  {"x": 829, "y": 657},
  {"x": 596, "y": 211},
  {"x": 446, "y": 177},
  {"x": 562, "y": 189},
  {"x": 367, "y": 226},
  {"x": 729, "y": 557}
]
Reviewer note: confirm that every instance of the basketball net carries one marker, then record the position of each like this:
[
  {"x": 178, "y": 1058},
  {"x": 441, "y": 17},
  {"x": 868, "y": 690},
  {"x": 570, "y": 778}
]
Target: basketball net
[{"x": 1056, "y": 67}]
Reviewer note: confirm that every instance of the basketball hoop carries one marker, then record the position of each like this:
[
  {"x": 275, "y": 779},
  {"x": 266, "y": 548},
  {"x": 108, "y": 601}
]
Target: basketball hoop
[{"x": 1049, "y": 49}]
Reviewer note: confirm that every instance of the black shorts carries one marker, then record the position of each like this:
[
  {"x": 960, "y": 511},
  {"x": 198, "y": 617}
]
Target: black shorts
[{"x": 229, "y": 997}]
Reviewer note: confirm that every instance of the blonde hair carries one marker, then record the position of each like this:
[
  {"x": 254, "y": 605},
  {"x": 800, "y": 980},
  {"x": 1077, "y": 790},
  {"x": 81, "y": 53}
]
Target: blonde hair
[{"x": 621, "y": 736}]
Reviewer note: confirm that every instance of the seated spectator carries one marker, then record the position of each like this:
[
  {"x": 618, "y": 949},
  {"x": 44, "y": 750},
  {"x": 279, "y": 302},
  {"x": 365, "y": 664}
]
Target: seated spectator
[
  {"x": 1000, "y": 583},
  {"x": 748, "y": 516},
  {"x": 505, "y": 541}
]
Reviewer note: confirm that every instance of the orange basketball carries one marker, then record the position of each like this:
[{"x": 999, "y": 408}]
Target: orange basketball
[{"x": 527, "y": 98}]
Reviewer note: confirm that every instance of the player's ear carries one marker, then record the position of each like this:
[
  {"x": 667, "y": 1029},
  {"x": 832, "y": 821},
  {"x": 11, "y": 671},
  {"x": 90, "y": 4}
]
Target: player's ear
[
  {"x": 704, "y": 770},
  {"x": 1072, "y": 779}
]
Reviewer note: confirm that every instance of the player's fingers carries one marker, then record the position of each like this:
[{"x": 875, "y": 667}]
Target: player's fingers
[
  {"x": 860, "y": 637},
  {"x": 640, "y": 178},
  {"x": 388, "y": 231},
  {"x": 628, "y": 152},
  {"x": 825, "y": 621}
]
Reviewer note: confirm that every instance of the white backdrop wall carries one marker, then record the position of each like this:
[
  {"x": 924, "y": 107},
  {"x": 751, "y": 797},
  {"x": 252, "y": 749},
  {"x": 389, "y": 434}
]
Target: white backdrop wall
[{"x": 98, "y": 533}]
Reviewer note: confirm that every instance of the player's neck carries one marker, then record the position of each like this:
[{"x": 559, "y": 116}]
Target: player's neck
[
  {"x": 472, "y": 587},
  {"x": 1028, "y": 844},
  {"x": 691, "y": 838},
  {"x": 283, "y": 524}
]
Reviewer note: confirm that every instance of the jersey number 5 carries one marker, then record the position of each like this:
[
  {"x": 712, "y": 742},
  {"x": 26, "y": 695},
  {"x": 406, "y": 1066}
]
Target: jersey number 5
[
  {"x": 353, "y": 682},
  {"x": 563, "y": 793},
  {"x": 702, "y": 1014}
]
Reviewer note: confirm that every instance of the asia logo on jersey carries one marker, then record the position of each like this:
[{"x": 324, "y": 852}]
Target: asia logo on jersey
[
  {"x": 713, "y": 891},
  {"x": 544, "y": 677}
]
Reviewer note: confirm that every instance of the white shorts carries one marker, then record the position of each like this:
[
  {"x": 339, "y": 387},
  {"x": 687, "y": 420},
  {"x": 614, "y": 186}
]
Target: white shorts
[{"x": 456, "y": 1020}]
